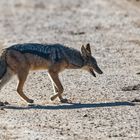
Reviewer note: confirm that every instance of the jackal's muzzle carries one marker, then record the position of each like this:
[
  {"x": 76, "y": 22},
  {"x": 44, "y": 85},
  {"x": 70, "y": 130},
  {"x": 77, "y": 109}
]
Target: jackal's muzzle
[{"x": 97, "y": 69}]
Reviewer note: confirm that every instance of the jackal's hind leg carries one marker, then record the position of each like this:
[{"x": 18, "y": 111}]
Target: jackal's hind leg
[
  {"x": 6, "y": 78},
  {"x": 58, "y": 88},
  {"x": 22, "y": 75}
]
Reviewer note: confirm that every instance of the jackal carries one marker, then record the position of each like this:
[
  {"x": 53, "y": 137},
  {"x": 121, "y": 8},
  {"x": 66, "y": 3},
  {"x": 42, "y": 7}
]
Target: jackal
[{"x": 20, "y": 58}]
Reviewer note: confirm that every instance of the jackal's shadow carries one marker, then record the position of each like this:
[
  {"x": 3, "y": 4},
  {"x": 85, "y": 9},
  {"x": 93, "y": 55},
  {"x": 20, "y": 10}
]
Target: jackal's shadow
[{"x": 69, "y": 106}]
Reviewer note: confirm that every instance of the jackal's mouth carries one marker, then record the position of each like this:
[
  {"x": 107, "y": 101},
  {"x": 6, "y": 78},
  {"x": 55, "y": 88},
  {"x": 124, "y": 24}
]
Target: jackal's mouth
[
  {"x": 98, "y": 70},
  {"x": 92, "y": 72}
]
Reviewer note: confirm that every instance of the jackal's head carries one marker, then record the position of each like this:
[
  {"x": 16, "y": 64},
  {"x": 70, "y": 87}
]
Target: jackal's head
[{"x": 90, "y": 63}]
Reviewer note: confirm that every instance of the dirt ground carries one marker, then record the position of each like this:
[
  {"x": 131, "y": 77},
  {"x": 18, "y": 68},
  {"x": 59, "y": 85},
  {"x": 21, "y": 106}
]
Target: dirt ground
[{"x": 101, "y": 107}]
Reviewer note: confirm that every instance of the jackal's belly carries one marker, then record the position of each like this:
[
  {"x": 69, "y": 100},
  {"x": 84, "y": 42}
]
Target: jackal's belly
[{"x": 37, "y": 62}]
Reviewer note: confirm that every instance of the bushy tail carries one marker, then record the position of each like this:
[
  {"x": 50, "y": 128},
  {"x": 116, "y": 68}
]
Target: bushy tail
[{"x": 3, "y": 64}]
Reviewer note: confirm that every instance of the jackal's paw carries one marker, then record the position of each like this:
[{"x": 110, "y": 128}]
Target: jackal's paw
[
  {"x": 65, "y": 101},
  {"x": 52, "y": 98},
  {"x": 30, "y": 101}
]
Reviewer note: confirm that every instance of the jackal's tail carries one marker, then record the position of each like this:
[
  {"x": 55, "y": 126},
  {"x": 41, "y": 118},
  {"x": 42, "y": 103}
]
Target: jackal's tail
[{"x": 3, "y": 64}]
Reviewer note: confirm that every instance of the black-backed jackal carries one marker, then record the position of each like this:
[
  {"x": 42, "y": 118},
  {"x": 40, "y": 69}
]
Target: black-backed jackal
[{"x": 20, "y": 58}]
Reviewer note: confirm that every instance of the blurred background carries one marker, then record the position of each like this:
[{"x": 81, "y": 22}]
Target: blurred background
[{"x": 112, "y": 27}]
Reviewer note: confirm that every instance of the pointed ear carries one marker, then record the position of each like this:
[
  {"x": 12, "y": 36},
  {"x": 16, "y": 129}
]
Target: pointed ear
[
  {"x": 88, "y": 48},
  {"x": 84, "y": 51}
]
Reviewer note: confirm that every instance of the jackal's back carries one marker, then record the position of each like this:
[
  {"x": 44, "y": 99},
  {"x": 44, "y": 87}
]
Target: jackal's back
[{"x": 52, "y": 52}]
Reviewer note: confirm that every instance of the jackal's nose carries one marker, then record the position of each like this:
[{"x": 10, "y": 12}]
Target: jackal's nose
[{"x": 98, "y": 70}]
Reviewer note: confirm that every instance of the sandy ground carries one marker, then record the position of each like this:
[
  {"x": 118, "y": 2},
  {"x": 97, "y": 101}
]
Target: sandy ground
[{"x": 101, "y": 107}]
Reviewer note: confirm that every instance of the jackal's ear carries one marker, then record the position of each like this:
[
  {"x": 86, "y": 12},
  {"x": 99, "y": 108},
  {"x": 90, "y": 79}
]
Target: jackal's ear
[
  {"x": 84, "y": 51},
  {"x": 88, "y": 48}
]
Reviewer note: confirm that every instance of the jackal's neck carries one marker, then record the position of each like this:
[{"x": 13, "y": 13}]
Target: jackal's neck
[
  {"x": 74, "y": 58},
  {"x": 77, "y": 64}
]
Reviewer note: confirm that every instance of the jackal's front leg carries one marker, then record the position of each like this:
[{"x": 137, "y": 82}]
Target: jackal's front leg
[
  {"x": 57, "y": 86},
  {"x": 22, "y": 75}
]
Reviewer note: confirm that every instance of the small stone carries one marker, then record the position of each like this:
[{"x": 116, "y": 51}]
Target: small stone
[
  {"x": 1, "y": 104},
  {"x": 85, "y": 115},
  {"x": 6, "y": 103}
]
